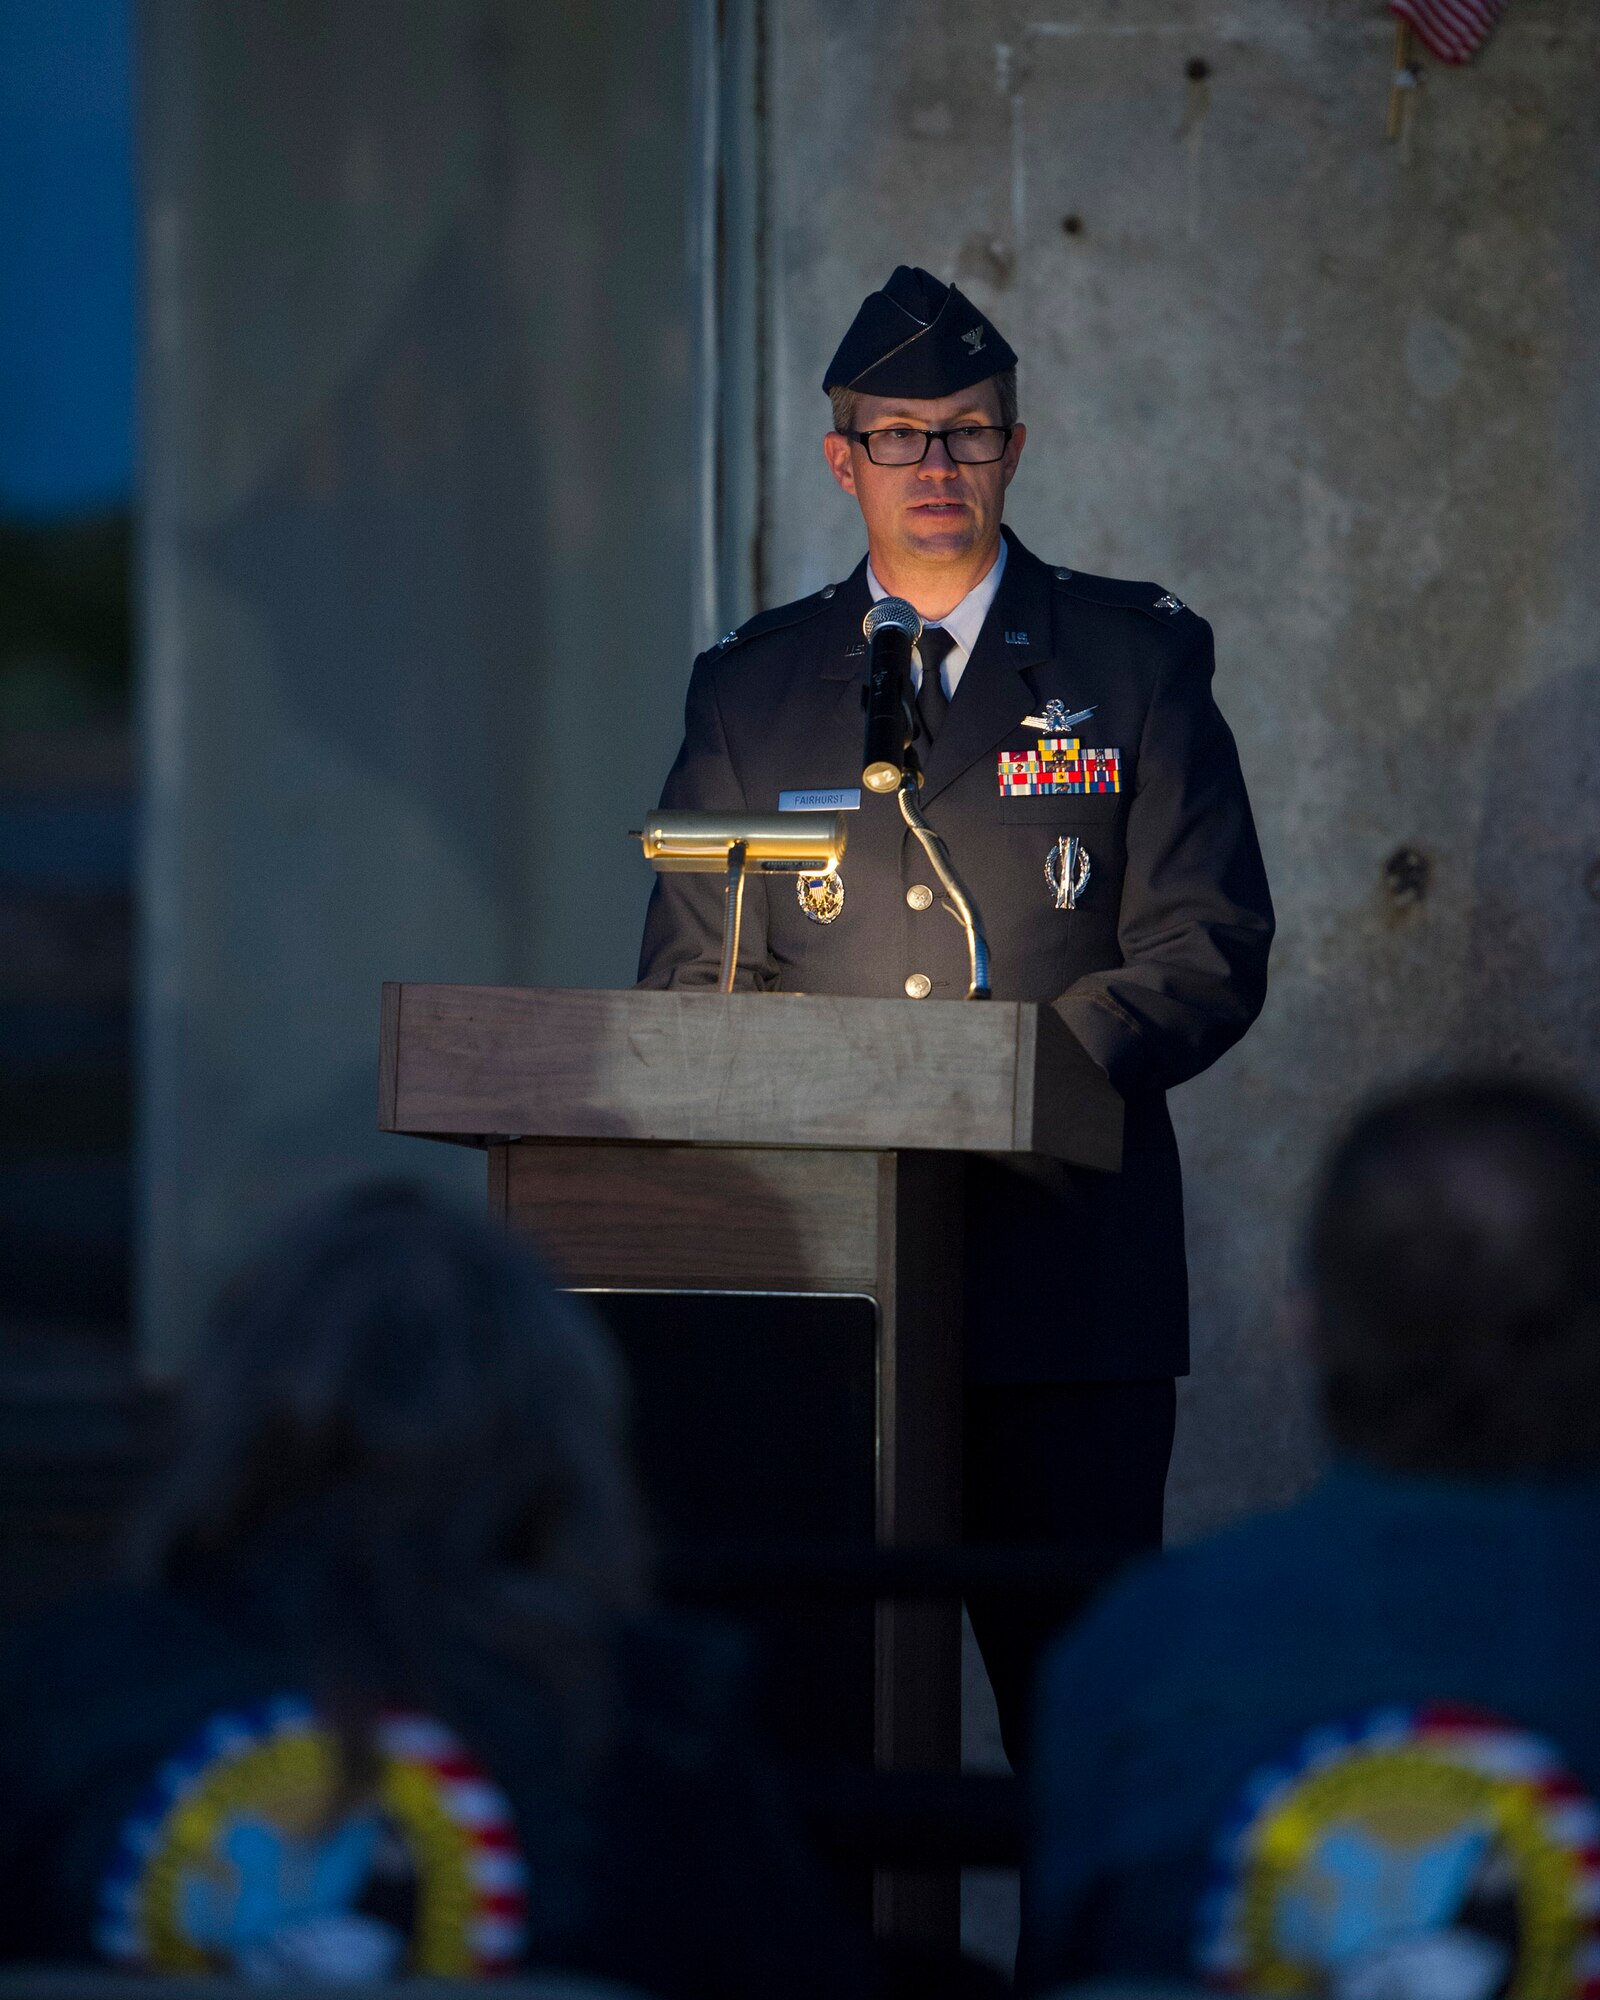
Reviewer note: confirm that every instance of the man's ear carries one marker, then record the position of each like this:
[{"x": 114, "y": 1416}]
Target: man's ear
[{"x": 836, "y": 450}]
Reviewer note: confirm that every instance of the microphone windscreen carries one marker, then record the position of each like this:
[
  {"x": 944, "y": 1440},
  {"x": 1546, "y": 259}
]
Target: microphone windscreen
[{"x": 895, "y": 612}]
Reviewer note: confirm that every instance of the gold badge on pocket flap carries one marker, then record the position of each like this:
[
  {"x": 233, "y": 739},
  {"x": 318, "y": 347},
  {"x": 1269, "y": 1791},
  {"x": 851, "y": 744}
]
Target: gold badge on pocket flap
[{"x": 821, "y": 896}]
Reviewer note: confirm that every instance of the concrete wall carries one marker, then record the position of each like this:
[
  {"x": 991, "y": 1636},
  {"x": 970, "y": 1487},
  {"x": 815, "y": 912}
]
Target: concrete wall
[
  {"x": 431, "y": 523},
  {"x": 1338, "y": 394},
  {"x": 417, "y": 492}
]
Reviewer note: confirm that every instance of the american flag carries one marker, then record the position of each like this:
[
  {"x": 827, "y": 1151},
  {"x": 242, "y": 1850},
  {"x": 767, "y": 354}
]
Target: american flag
[{"x": 1452, "y": 30}]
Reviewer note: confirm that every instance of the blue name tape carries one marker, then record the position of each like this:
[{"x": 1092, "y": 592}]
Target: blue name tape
[{"x": 820, "y": 802}]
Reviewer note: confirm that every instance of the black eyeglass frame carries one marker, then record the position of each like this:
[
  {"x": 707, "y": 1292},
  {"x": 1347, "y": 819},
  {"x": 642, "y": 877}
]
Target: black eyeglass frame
[{"x": 864, "y": 438}]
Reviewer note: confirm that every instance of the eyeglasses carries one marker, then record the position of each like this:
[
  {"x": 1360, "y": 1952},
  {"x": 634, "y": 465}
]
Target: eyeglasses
[{"x": 903, "y": 444}]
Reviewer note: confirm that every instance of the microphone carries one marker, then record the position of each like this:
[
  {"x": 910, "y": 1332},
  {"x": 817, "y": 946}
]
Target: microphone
[{"x": 892, "y": 627}]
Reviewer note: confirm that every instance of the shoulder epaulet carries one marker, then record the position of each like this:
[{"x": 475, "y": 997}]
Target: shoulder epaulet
[
  {"x": 777, "y": 618},
  {"x": 1149, "y": 598}
]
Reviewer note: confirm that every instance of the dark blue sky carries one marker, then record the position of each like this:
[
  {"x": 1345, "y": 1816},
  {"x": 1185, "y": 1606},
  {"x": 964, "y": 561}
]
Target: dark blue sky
[{"x": 66, "y": 255}]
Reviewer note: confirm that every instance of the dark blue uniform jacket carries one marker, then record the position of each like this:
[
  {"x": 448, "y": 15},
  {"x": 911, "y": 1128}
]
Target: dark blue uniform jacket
[
  {"x": 1177, "y": 1700},
  {"x": 1160, "y": 968},
  {"x": 666, "y": 1858}
]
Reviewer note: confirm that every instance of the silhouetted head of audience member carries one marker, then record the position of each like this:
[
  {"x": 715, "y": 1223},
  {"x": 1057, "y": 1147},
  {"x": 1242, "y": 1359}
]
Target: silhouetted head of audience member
[
  {"x": 1454, "y": 1267},
  {"x": 407, "y": 1440}
]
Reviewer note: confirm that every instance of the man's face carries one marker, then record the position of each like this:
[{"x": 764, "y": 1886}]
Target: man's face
[{"x": 937, "y": 511}]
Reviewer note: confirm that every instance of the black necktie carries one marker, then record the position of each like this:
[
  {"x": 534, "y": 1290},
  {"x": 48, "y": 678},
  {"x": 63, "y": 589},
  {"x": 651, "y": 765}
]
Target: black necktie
[{"x": 932, "y": 700}]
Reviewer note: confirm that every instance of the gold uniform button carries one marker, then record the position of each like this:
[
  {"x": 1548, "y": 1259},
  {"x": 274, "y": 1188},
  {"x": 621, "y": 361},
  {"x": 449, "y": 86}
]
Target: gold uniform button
[
  {"x": 919, "y": 896},
  {"x": 919, "y": 986}
]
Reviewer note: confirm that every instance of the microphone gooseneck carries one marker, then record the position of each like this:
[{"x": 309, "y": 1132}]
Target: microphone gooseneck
[{"x": 892, "y": 628}]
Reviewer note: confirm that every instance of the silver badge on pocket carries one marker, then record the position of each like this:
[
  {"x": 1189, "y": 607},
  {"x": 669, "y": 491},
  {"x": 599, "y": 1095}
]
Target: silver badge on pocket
[
  {"x": 821, "y": 896},
  {"x": 1066, "y": 869}
]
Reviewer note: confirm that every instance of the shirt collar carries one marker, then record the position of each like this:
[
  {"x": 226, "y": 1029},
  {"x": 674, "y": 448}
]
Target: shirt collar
[{"x": 966, "y": 621}]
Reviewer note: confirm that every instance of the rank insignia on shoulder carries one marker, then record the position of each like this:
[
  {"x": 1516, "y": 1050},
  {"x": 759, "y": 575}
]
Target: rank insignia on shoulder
[
  {"x": 1168, "y": 603},
  {"x": 1058, "y": 767},
  {"x": 1056, "y": 717},
  {"x": 727, "y": 638}
]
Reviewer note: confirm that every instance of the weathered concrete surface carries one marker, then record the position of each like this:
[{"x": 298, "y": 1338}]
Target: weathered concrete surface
[
  {"x": 1340, "y": 396},
  {"x": 416, "y": 556},
  {"x": 417, "y": 411}
]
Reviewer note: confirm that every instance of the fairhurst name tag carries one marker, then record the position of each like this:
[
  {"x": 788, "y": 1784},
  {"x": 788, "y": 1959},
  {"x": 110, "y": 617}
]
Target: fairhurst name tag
[{"x": 820, "y": 802}]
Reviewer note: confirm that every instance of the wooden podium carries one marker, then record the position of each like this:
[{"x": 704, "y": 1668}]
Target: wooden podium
[{"x": 768, "y": 1146}]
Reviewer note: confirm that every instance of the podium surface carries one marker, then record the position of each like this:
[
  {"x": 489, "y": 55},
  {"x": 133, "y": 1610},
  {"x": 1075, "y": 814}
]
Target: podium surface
[{"x": 778, "y": 1069}]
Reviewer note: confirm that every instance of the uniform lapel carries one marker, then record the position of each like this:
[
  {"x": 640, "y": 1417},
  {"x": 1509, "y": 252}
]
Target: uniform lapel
[
  {"x": 844, "y": 650},
  {"x": 992, "y": 697}
]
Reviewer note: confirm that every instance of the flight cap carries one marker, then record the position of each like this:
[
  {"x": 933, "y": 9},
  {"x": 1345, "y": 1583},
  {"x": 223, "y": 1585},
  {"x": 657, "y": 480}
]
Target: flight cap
[{"x": 917, "y": 338}]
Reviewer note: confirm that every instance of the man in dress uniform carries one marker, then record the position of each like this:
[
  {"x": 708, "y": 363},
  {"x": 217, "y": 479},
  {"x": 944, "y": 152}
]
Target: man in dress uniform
[{"x": 1052, "y": 707}]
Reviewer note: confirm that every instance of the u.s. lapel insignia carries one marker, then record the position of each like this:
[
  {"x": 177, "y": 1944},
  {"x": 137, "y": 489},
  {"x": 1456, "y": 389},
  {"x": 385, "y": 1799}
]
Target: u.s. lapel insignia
[
  {"x": 821, "y": 896},
  {"x": 1016, "y": 638},
  {"x": 1066, "y": 869},
  {"x": 1055, "y": 719}
]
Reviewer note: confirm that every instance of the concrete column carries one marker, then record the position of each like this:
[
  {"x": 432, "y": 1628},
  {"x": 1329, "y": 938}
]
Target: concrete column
[{"x": 416, "y": 499}]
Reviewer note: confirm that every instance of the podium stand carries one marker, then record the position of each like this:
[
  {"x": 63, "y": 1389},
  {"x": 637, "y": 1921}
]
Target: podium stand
[{"x": 764, "y": 1145}]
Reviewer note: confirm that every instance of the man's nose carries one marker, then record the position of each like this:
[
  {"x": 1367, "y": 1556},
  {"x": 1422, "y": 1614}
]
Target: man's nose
[{"x": 936, "y": 460}]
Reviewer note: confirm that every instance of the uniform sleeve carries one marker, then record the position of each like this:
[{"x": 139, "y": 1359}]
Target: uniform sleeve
[
  {"x": 683, "y": 927},
  {"x": 1196, "y": 920}
]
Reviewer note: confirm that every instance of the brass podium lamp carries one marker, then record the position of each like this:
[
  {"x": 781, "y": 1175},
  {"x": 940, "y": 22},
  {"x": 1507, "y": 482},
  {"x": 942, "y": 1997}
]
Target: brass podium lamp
[{"x": 694, "y": 843}]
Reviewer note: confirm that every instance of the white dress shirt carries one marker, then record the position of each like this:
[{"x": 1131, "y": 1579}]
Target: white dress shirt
[{"x": 963, "y": 624}]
